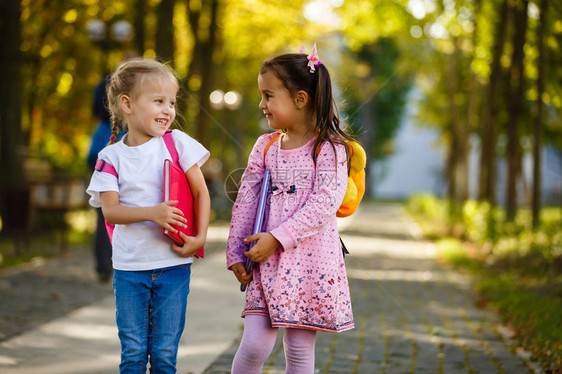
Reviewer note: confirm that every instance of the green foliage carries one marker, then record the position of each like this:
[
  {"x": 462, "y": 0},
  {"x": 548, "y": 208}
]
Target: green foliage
[
  {"x": 480, "y": 221},
  {"x": 60, "y": 68},
  {"x": 534, "y": 310},
  {"x": 452, "y": 251},
  {"x": 377, "y": 82},
  {"x": 428, "y": 205}
]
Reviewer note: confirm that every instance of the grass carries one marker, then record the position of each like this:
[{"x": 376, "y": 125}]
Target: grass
[
  {"x": 48, "y": 239},
  {"x": 517, "y": 270}
]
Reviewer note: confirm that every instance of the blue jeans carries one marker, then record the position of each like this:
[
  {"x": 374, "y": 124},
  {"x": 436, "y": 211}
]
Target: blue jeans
[{"x": 151, "y": 307}]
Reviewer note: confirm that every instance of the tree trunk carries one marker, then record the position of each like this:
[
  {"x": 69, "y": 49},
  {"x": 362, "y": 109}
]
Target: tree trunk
[
  {"x": 12, "y": 189},
  {"x": 140, "y": 7},
  {"x": 471, "y": 108},
  {"x": 202, "y": 65},
  {"x": 165, "y": 31},
  {"x": 515, "y": 104},
  {"x": 537, "y": 133},
  {"x": 193, "y": 15},
  {"x": 489, "y": 136},
  {"x": 455, "y": 152}
]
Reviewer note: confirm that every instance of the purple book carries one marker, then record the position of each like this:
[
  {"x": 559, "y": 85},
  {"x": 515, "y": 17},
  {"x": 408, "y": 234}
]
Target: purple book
[{"x": 260, "y": 221}]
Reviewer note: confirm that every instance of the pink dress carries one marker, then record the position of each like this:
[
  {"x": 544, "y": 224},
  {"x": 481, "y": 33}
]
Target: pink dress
[{"x": 303, "y": 284}]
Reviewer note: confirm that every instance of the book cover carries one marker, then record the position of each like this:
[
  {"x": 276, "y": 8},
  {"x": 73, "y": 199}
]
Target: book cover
[
  {"x": 260, "y": 220},
  {"x": 177, "y": 188}
]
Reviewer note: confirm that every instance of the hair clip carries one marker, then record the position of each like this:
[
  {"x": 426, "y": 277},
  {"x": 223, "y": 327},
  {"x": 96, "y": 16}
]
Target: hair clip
[
  {"x": 313, "y": 59},
  {"x": 302, "y": 50},
  {"x": 113, "y": 139}
]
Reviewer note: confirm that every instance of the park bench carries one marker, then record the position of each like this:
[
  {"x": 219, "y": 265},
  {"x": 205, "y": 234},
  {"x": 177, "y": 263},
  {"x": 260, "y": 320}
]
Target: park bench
[{"x": 51, "y": 196}]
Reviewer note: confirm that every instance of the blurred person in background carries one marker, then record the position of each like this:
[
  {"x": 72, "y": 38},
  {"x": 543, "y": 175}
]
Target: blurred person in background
[{"x": 100, "y": 138}]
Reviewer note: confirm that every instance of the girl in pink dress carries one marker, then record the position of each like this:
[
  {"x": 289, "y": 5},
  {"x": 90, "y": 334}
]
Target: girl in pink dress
[{"x": 300, "y": 282}]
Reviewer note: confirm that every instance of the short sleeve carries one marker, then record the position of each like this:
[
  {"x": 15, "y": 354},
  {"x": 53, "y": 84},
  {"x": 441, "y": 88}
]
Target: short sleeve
[
  {"x": 101, "y": 182},
  {"x": 190, "y": 151}
]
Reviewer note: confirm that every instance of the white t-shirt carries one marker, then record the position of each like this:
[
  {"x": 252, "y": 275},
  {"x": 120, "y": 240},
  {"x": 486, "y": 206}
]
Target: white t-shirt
[{"x": 141, "y": 245}]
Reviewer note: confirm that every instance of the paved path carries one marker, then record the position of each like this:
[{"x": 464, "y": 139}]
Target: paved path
[
  {"x": 412, "y": 315},
  {"x": 33, "y": 341}
]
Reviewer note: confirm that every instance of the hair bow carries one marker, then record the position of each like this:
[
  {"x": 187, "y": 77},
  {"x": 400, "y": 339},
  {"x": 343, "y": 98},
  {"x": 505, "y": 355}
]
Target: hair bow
[{"x": 313, "y": 59}]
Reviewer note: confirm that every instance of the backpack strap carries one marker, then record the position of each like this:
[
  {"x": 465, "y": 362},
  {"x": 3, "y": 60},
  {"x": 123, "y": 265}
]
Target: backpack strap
[
  {"x": 269, "y": 144},
  {"x": 106, "y": 167},
  {"x": 169, "y": 140}
]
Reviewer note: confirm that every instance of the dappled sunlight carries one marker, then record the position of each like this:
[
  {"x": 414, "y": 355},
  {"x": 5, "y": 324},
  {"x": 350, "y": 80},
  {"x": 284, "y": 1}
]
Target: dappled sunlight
[
  {"x": 218, "y": 233},
  {"x": 322, "y": 12},
  {"x": 213, "y": 285},
  {"x": 82, "y": 220},
  {"x": 394, "y": 275},
  {"x": 8, "y": 361},
  {"x": 188, "y": 350},
  {"x": 436, "y": 336},
  {"x": 367, "y": 246},
  {"x": 84, "y": 331},
  {"x": 100, "y": 364}
]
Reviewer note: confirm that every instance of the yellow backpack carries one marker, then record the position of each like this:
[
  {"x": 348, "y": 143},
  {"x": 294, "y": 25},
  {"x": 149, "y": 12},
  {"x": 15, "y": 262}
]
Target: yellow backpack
[{"x": 355, "y": 180}]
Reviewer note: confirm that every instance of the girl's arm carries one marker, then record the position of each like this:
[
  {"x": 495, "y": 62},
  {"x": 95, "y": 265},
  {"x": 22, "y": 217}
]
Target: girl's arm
[
  {"x": 244, "y": 209},
  {"x": 202, "y": 209},
  {"x": 164, "y": 214}
]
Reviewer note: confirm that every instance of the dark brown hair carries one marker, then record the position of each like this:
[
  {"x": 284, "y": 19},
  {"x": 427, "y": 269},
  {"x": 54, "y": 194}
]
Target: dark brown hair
[{"x": 293, "y": 71}]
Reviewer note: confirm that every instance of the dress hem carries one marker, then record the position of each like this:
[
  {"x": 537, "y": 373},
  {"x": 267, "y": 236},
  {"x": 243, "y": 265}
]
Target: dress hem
[{"x": 344, "y": 327}]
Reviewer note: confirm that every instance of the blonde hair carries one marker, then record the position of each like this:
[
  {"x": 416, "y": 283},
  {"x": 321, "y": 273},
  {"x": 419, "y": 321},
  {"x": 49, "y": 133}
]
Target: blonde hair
[{"x": 128, "y": 79}]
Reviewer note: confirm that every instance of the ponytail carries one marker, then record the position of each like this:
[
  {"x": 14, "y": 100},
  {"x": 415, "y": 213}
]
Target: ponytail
[{"x": 328, "y": 125}]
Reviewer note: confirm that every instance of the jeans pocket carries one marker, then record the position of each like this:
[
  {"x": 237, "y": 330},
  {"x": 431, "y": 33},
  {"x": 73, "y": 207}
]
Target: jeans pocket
[{"x": 186, "y": 267}]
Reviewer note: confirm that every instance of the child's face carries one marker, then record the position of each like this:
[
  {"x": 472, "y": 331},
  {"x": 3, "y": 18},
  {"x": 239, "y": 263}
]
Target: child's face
[
  {"x": 152, "y": 108},
  {"x": 276, "y": 102}
]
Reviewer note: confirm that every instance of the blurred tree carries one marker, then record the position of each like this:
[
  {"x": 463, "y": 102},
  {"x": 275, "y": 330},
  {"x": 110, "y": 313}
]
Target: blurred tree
[
  {"x": 224, "y": 42},
  {"x": 457, "y": 153},
  {"x": 165, "y": 31},
  {"x": 489, "y": 123},
  {"x": 379, "y": 77},
  {"x": 515, "y": 96},
  {"x": 473, "y": 103},
  {"x": 13, "y": 194},
  {"x": 249, "y": 32},
  {"x": 375, "y": 102},
  {"x": 139, "y": 26},
  {"x": 202, "y": 16},
  {"x": 538, "y": 117}
]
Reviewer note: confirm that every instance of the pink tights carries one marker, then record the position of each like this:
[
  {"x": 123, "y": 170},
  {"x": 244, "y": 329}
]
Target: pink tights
[{"x": 258, "y": 341}]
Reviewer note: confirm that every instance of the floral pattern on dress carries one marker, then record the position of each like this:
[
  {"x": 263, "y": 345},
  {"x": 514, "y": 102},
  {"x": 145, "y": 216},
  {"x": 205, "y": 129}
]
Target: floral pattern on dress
[{"x": 303, "y": 284}]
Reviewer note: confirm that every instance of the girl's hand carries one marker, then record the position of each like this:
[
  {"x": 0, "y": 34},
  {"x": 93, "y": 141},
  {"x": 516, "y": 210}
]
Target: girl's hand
[
  {"x": 166, "y": 215},
  {"x": 265, "y": 246},
  {"x": 190, "y": 245},
  {"x": 240, "y": 273}
]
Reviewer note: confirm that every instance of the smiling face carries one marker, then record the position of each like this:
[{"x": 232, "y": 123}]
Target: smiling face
[
  {"x": 279, "y": 107},
  {"x": 151, "y": 110}
]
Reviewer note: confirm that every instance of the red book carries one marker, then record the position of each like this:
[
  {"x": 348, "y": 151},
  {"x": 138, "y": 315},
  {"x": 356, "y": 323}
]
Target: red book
[{"x": 177, "y": 188}]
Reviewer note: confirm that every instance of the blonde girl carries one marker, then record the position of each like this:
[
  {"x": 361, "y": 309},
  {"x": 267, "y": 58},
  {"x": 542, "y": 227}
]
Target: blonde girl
[{"x": 151, "y": 275}]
